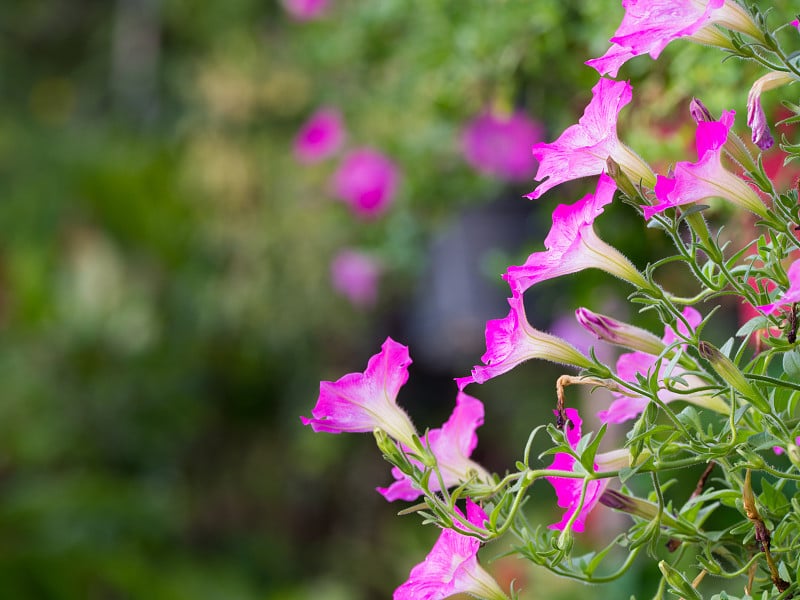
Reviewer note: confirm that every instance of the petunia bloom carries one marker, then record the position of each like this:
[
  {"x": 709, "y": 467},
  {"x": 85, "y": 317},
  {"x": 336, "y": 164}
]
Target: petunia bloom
[
  {"x": 693, "y": 182},
  {"x": 568, "y": 489},
  {"x": 499, "y": 145},
  {"x": 649, "y": 25},
  {"x": 452, "y": 445},
  {"x": 791, "y": 295},
  {"x": 632, "y": 364},
  {"x": 796, "y": 24},
  {"x": 320, "y": 137},
  {"x": 512, "y": 341},
  {"x": 756, "y": 119},
  {"x": 572, "y": 245},
  {"x": 366, "y": 180},
  {"x": 452, "y": 567},
  {"x": 306, "y": 10},
  {"x": 355, "y": 276},
  {"x": 583, "y": 149},
  {"x": 362, "y": 402}
]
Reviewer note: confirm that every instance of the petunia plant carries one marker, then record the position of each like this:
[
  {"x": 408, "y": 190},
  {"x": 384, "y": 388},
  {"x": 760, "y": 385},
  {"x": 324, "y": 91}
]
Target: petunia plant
[{"x": 718, "y": 413}]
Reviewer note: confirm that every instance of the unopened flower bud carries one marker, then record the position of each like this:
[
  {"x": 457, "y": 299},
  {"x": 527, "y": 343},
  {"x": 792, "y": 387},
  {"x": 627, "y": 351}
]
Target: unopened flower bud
[
  {"x": 624, "y": 184},
  {"x": 699, "y": 112},
  {"x": 731, "y": 374},
  {"x": 793, "y": 452},
  {"x": 678, "y": 582},
  {"x": 628, "y": 504},
  {"x": 619, "y": 333}
]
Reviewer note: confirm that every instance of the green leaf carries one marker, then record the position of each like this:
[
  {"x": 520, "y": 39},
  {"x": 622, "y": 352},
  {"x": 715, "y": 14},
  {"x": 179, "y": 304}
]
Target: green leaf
[{"x": 791, "y": 364}]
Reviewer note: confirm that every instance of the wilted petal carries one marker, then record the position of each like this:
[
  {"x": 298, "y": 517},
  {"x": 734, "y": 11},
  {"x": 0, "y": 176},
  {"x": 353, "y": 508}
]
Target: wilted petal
[{"x": 756, "y": 119}]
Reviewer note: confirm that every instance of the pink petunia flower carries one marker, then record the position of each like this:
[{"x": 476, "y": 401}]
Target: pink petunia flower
[
  {"x": 572, "y": 245},
  {"x": 499, "y": 145},
  {"x": 756, "y": 118},
  {"x": 791, "y": 295},
  {"x": 355, "y": 276},
  {"x": 631, "y": 364},
  {"x": 568, "y": 489},
  {"x": 693, "y": 182},
  {"x": 796, "y": 24},
  {"x": 512, "y": 341},
  {"x": 366, "y": 180},
  {"x": 362, "y": 402},
  {"x": 452, "y": 567},
  {"x": 649, "y": 25},
  {"x": 583, "y": 149},
  {"x": 306, "y": 10},
  {"x": 452, "y": 445},
  {"x": 320, "y": 137}
]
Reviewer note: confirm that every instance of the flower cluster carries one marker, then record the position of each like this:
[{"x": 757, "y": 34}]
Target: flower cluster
[{"x": 693, "y": 406}]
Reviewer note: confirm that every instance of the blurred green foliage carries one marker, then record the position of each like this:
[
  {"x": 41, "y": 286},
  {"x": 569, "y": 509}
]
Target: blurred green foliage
[{"x": 165, "y": 309}]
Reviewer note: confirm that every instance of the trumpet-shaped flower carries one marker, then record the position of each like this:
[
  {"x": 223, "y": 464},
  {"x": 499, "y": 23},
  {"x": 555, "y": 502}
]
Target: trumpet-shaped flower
[
  {"x": 452, "y": 445},
  {"x": 791, "y": 295},
  {"x": 355, "y": 276},
  {"x": 756, "y": 119},
  {"x": 320, "y": 137},
  {"x": 631, "y": 364},
  {"x": 512, "y": 341},
  {"x": 649, "y": 25},
  {"x": 693, "y": 182},
  {"x": 572, "y": 245},
  {"x": 583, "y": 149},
  {"x": 499, "y": 145},
  {"x": 569, "y": 489},
  {"x": 452, "y": 567},
  {"x": 366, "y": 180},
  {"x": 362, "y": 402}
]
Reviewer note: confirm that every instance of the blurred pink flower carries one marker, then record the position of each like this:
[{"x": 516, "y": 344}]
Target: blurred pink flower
[
  {"x": 572, "y": 245},
  {"x": 512, "y": 341},
  {"x": 320, "y": 137},
  {"x": 649, "y": 25},
  {"x": 452, "y": 567},
  {"x": 305, "y": 10},
  {"x": 568, "y": 489},
  {"x": 452, "y": 445},
  {"x": 706, "y": 178},
  {"x": 355, "y": 276},
  {"x": 791, "y": 295},
  {"x": 500, "y": 145},
  {"x": 366, "y": 180},
  {"x": 361, "y": 402},
  {"x": 583, "y": 149},
  {"x": 796, "y": 23}
]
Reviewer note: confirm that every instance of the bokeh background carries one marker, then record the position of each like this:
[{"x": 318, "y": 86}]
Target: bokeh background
[{"x": 166, "y": 301}]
